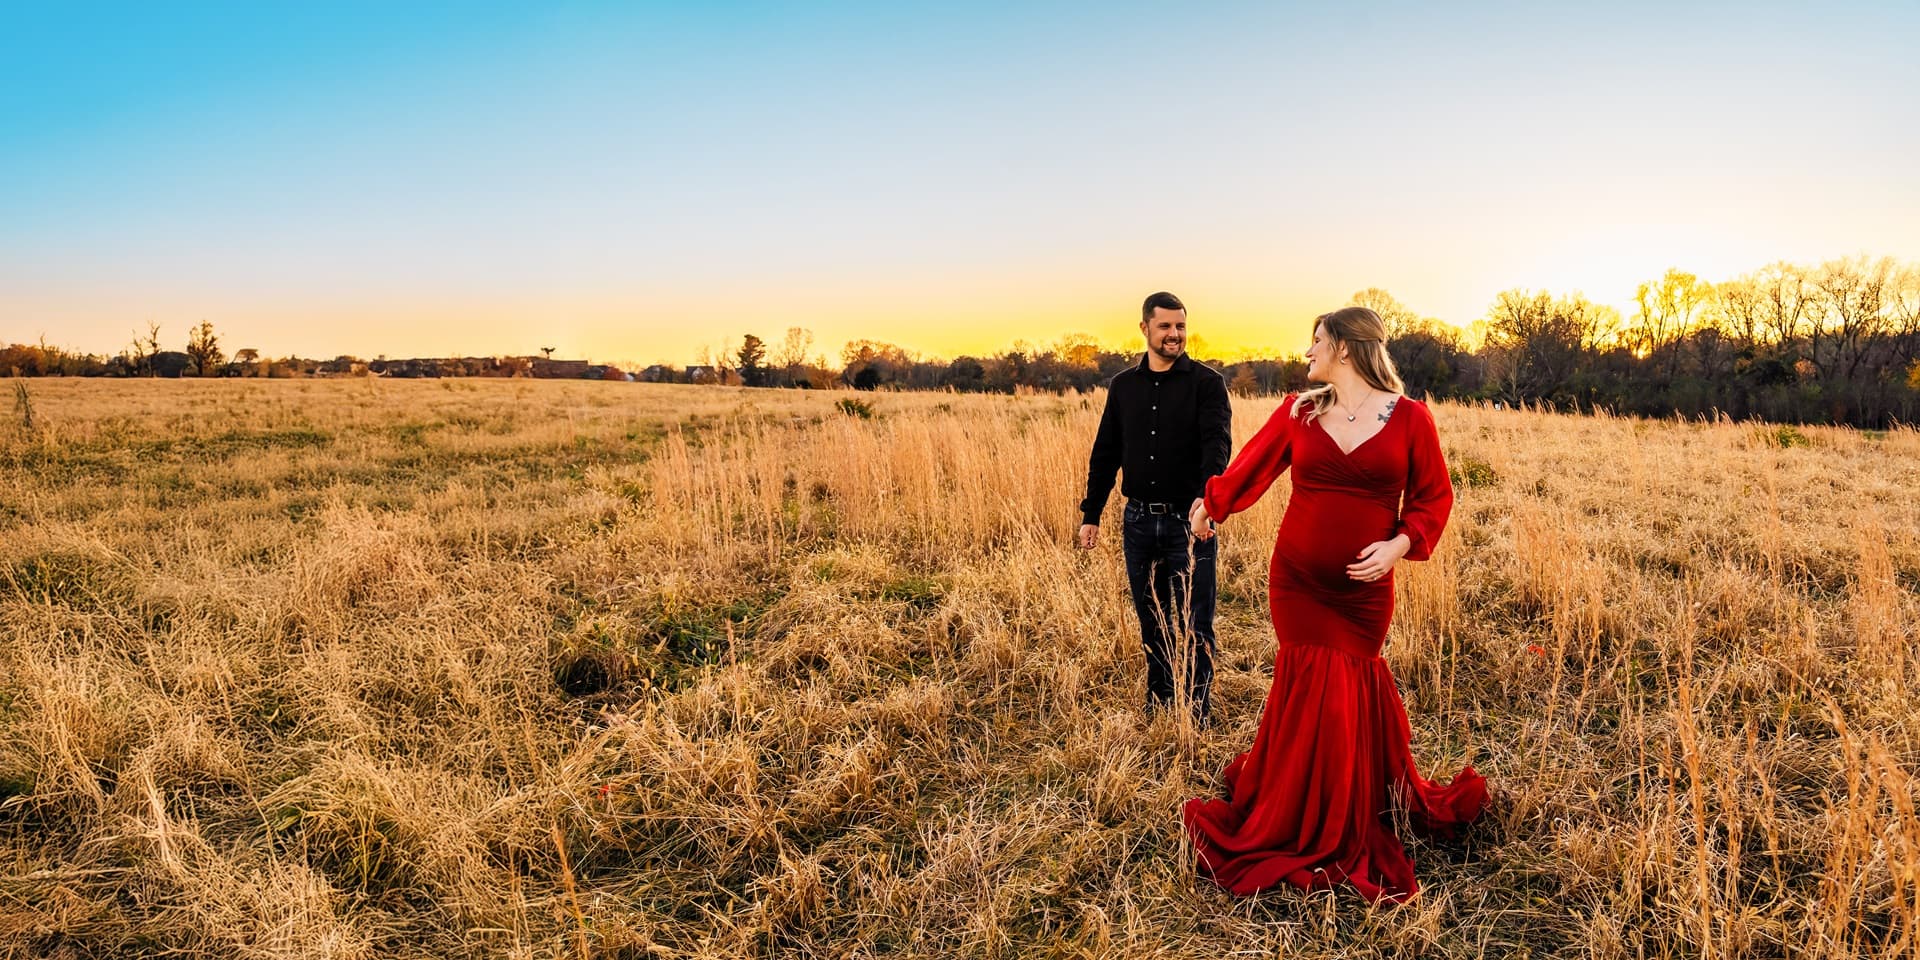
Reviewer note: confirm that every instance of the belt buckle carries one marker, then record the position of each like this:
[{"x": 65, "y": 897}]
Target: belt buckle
[{"x": 1157, "y": 508}]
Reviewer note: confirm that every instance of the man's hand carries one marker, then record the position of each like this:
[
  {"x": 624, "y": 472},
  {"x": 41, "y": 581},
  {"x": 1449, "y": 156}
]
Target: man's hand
[
  {"x": 1198, "y": 523},
  {"x": 1378, "y": 558},
  {"x": 1089, "y": 535}
]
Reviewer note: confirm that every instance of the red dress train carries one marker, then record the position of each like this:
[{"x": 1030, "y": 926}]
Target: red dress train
[{"x": 1311, "y": 803}]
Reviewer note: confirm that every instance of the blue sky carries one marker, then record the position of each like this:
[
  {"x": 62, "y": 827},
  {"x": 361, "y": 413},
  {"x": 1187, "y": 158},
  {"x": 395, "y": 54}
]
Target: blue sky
[{"x": 636, "y": 182}]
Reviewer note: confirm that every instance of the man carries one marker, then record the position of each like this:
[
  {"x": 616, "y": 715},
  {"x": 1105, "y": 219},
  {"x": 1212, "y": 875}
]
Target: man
[{"x": 1166, "y": 428}]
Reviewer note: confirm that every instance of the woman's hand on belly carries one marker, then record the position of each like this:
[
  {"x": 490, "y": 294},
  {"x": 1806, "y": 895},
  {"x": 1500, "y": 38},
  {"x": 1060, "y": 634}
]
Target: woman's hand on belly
[{"x": 1376, "y": 559}]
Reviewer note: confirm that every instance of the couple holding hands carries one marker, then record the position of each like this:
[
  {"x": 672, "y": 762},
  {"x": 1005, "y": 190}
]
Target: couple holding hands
[{"x": 1313, "y": 801}]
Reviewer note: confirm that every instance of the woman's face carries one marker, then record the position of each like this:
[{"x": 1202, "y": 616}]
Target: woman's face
[{"x": 1321, "y": 356}]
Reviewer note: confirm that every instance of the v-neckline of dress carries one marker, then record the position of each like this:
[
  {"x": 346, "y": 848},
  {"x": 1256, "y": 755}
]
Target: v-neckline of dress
[{"x": 1391, "y": 413}]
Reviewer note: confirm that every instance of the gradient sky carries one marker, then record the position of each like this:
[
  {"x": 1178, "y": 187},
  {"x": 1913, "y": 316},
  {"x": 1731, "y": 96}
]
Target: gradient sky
[{"x": 632, "y": 182}]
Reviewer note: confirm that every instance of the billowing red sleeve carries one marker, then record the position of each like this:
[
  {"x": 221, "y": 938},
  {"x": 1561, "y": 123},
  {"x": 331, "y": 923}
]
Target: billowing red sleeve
[
  {"x": 1429, "y": 495},
  {"x": 1260, "y": 463}
]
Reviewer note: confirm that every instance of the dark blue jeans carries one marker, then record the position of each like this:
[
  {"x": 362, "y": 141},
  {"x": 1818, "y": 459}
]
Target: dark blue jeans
[{"x": 1175, "y": 603}]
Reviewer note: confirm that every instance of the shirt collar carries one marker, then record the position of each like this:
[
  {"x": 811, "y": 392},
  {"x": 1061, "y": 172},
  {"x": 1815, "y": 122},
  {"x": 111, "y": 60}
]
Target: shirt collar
[{"x": 1181, "y": 364}]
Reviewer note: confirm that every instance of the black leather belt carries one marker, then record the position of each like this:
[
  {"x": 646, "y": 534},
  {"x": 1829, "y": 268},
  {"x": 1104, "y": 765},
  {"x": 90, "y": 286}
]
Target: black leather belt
[{"x": 1158, "y": 508}]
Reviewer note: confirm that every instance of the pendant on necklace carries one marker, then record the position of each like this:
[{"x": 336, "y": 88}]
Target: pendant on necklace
[{"x": 1350, "y": 418}]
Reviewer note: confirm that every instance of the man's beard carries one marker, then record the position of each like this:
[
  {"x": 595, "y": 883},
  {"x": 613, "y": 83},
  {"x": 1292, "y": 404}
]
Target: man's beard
[{"x": 1170, "y": 349}]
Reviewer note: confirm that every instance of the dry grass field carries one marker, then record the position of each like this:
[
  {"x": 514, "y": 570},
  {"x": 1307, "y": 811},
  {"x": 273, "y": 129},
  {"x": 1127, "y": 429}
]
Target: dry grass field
[{"x": 365, "y": 668}]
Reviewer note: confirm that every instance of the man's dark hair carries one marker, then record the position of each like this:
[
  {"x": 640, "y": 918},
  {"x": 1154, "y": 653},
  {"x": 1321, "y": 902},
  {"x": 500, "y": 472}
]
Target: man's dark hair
[{"x": 1161, "y": 301}]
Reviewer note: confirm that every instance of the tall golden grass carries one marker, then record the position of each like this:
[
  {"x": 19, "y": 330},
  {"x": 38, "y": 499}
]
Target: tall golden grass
[{"x": 535, "y": 669}]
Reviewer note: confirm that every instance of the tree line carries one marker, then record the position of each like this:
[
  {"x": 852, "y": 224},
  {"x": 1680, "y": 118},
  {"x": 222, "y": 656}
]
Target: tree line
[
  {"x": 203, "y": 356},
  {"x": 1838, "y": 342},
  {"x": 1835, "y": 342}
]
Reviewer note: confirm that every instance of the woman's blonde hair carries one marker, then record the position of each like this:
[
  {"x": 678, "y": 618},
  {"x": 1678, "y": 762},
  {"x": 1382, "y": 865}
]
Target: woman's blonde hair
[{"x": 1365, "y": 336}]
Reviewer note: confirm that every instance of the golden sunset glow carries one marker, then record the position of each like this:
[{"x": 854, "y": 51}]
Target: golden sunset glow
[{"x": 645, "y": 184}]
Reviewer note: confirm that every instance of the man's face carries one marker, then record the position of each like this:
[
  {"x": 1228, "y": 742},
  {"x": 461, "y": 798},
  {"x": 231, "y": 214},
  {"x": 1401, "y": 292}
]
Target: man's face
[{"x": 1166, "y": 332}]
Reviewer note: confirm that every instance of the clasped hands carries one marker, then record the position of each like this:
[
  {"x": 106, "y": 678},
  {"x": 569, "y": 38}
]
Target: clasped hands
[
  {"x": 1373, "y": 561},
  {"x": 1198, "y": 523}
]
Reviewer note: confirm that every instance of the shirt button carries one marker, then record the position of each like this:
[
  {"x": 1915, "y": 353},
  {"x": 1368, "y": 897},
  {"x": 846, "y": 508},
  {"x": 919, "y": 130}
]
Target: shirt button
[{"x": 1152, "y": 432}]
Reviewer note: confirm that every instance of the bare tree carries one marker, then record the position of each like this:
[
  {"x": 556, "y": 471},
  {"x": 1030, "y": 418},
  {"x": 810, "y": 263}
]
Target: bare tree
[
  {"x": 1536, "y": 341},
  {"x": 1852, "y": 307},
  {"x": 1398, "y": 318},
  {"x": 1709, "y": 350},
  {"x": 866, "y": 364},
  {"x": 793, "y": 351},
  {"x": 1783, "y": 303},
  {"x": 1739, "y": 306},
  {"x": 1669, "y": 308},
  {"x": 141, "y": 351},
  {"x": 1903, "y": 316}
]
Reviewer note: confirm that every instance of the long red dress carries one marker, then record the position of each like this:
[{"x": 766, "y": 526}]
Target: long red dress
[{"x": 1311, "y": 803}]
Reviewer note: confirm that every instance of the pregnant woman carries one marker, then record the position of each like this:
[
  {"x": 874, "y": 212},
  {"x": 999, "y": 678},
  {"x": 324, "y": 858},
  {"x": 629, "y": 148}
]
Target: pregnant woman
[{"x": 1312, "y": 802}]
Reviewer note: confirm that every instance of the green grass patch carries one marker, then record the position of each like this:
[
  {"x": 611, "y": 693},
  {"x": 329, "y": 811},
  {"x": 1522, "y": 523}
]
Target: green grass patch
[
  {"x": 1784, "y": 437},
  {"x": 15, "y": 783},
  {"x": 671, "y": 647},
  {"x": 352, "y": 842},
  {"x": 1472, "y": 472},
  {"x": 920, "y": 593},
  {"x": 68, "y": 577},
  {"x": 697, "y": 636},
  {"x": 63, "y": 465},
  {"x": 229, "y": 444}
]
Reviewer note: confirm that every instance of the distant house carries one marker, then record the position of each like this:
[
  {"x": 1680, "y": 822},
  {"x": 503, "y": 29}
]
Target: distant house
[
  {"x": 702, "y": 373},
  {"x": 558, "y": 369},
  {"x": 169, "y": 363},
  {"x": 658, "y": 373},
  {"x": 410, "y": 368}
]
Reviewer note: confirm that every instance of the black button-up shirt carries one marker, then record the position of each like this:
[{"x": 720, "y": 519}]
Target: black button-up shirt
[{"x": 1165, "y": 432}]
